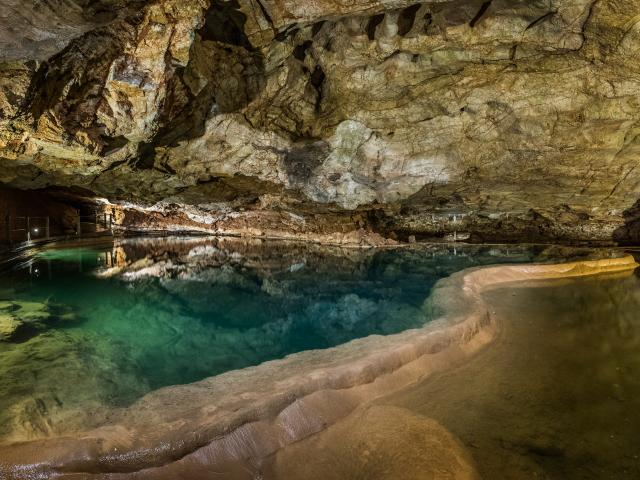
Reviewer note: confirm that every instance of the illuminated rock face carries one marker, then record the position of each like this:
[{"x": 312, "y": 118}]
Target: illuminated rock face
[{"x": 380, "y": 115}]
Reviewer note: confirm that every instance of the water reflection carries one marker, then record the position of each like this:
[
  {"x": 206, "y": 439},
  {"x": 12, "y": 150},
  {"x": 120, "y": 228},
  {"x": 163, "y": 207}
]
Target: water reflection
[{"x": 86, "y": 328}]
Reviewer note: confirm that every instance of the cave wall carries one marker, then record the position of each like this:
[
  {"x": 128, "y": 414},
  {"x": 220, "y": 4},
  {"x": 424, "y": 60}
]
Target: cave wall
[
  {"x": 17, "y": 205},
  {"x": 520, "y": 118}
]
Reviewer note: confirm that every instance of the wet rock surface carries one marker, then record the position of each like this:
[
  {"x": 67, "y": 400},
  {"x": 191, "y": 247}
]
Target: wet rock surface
[
  {"x": 556, "y": 395},
  {"x": 520, "y": 117},
  {"x": 378, "y": 442}
]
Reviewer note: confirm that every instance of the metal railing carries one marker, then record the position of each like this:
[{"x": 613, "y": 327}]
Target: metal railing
[
  {"x": 98, "y": 222},
  {"x": 27, "y": 228}
]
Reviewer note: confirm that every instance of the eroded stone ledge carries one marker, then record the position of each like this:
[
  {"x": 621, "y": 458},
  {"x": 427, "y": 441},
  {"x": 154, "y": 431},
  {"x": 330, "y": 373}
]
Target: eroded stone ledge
[{"x": 521, "y": 115}]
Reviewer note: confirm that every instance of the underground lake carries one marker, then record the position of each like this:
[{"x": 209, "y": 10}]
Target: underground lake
[
  {"x": 149, "y": 313},
  {"x": 180, "y": 356}
]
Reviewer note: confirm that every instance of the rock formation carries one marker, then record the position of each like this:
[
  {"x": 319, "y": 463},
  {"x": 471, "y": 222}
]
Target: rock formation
[
  {"x": 20, "y": 320},
  {"x": 508, "y": 120}
]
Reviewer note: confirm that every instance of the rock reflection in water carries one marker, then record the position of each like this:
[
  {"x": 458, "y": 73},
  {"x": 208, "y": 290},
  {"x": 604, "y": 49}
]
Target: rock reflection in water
[{"x": 156, "y": 312}]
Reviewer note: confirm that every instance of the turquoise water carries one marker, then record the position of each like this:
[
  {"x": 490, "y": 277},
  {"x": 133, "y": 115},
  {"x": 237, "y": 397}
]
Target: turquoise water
[{"x": 104, "y": 325}]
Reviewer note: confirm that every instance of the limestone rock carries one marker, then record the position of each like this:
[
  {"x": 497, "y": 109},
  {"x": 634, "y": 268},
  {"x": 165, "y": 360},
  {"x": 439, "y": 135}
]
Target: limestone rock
[
  {"x": 8, "y": 326},
  {"x": 28, "y": 318},
  {"x": 521, "y": 117}
]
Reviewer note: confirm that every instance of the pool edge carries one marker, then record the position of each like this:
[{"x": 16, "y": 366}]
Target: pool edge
[{"x": 152, "y": 439}]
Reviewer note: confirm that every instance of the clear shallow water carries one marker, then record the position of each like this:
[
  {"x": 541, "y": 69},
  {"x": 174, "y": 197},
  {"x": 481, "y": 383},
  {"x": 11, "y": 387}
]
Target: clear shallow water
[
  {"x": 558, "y": 395},
  {"x": 102, "y": 326}
]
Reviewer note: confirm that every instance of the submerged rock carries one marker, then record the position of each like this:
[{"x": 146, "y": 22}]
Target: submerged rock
[
  {"x": 8, "y": 326},
  {"x": 20, "y": 319},
  {"x": 36, "y": 403},
  {"x": 386, "y": 443}
]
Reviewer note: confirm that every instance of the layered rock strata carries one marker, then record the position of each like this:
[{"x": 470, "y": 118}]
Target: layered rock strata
[{"x": 500, "y": 119}]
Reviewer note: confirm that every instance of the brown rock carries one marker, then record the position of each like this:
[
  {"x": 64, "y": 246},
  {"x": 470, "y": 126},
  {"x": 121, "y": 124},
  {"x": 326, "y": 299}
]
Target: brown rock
[{"x": 520, "y": 116}]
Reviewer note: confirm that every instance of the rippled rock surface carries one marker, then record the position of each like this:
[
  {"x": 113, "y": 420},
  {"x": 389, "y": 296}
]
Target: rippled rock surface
[
  {"x": 315, "y": 119},
  {"x": 557, "y": 395}
]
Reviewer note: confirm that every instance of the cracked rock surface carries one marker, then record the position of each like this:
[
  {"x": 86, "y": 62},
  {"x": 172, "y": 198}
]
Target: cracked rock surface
[{"x": 520, "y": 118}]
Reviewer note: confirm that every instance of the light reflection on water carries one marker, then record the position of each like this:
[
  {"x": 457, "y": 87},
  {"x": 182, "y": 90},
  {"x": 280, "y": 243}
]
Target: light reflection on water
[{"x": 101, "y": 326}]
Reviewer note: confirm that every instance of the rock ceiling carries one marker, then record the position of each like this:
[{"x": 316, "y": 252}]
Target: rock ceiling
[{"x": 523, "y": 116}]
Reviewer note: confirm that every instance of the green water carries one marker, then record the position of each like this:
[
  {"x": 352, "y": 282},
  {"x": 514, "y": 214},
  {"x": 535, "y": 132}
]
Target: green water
[{"x": 107, "y": 324}]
